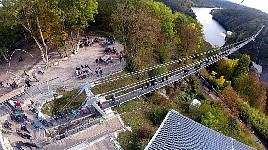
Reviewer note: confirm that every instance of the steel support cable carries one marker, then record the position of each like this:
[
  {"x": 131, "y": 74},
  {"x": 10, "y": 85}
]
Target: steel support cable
[
  {"x": 141, "y": 83},
  {"x": 201, "y": 67},
  {"x": 68, "y": 103},
  {"x": 144, "y": 70},
  {"x": 106, "y": 80},
  {"x": 161, "y": 65},
  {"x": 153, "y": 78},
  {"x": 161, "y": 76},
  {"x": 168, "y": 83},
  {"x": 119, "y": 97}
]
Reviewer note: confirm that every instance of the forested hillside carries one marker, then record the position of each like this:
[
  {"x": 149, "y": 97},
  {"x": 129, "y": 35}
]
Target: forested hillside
[
  {"x": 150, "y": 31},
  {"x": 185, "y": 5},
  {"x": 244, "y": 22}
]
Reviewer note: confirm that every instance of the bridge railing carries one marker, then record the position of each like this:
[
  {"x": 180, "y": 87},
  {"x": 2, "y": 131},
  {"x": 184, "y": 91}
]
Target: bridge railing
[{"x": 137, "y": 92}]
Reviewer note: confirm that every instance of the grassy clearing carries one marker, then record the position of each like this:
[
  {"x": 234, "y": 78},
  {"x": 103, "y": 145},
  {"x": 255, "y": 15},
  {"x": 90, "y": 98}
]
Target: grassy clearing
[
  {"x": 69, "y": 101},
  {"x": 105, "y": 87}
]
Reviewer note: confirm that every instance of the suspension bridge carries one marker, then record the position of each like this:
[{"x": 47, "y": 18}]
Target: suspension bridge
[{"x": 44, "y": 91}]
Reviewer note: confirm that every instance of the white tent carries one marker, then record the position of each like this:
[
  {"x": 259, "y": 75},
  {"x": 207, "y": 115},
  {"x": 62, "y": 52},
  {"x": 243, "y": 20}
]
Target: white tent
[{"x": 195, "y": 102}]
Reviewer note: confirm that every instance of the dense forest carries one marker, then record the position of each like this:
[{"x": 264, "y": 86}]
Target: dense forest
[
  {"x": 150, "y": 31},
  {"x": 164, "y": 35},
  {"x": 185, "y": 5}
]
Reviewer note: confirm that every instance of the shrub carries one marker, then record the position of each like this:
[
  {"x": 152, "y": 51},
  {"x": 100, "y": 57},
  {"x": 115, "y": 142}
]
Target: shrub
[
  {"x": 258, "y": 120},
  {"x": 158, "y": 115}
]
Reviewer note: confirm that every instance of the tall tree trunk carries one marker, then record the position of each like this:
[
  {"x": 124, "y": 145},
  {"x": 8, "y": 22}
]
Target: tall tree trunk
[
  {"x": 40, "y": 48},
  {"x": 42, "y": 38},
  {"x": 45, "y": 58}
]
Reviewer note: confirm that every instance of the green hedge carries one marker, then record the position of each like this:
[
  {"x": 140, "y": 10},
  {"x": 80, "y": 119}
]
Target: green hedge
[{"x": 258, "y": 120}]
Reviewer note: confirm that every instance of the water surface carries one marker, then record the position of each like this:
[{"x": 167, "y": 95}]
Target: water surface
[{"x": 214, "y": 33}]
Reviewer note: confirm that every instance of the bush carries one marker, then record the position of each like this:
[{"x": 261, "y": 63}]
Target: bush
[
  {"x": 158, "y": 71},
  {"x": 146, "y": 132},
  {"x": 158, "y": 115},
  {"x": 258, "y": 120},
  {"x": 194, "y": 83}
]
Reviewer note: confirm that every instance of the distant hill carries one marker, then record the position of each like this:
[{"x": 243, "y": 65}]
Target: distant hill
[
  {"x": 185, "y": 5},
  {"x": 245, "y": 22},
  {"x": 242, "y": 20}
]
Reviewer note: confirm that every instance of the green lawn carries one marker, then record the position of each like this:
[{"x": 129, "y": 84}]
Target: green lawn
[{"x": 69, "y": 101}]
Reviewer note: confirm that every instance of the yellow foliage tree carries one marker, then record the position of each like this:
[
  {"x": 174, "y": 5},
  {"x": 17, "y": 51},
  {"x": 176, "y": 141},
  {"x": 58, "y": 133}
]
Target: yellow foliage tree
[
  {"x": 213, "y": 73},
  {"x": 221, "y": 80}
]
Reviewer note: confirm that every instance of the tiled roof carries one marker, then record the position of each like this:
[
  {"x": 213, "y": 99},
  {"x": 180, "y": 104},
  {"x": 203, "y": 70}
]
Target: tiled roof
[{"x": 182, "y": 133}]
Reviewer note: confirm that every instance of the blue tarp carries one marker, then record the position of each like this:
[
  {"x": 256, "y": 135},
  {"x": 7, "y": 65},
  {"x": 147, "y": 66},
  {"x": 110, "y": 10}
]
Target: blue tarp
[
  {"x": 74, "y": 112},
  {"x": 18, "y": 108},
  {"x": 36, "y": 125},
  {"x": 40, "y": 118}
]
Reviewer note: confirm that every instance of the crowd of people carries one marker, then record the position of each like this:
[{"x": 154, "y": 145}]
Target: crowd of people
[
  {"x": 107, "y": 58},
  {"x": 14, "y": 83},
  {"x": 73, "y": 119},
  {"x": 84, "y": 72},
  {"x": 109, "y": 41},
  {"x": 86, "y": 41},
  {"x": 18, "y": 116}
]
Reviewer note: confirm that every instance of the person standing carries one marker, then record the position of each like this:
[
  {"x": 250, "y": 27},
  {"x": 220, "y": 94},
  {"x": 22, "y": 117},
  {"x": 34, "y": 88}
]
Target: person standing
[
  {"x": 27, "y": 81},
  {"x": 34, "y": 76},
  {"x": 117, "y": 103},
  {"x": 120, "y": 58},
  {"x": 1, "y": 84},
  {"x": 100, "y": 71},
  {"x": 97, "y": 72},
  {"x": 113, "y": 98}
]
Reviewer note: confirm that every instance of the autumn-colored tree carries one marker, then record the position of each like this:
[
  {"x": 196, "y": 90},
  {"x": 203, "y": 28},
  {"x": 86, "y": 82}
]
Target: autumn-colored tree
[
  {"x": 189, "y": 33},
  {"x": 220, "y": 81},
  {"x": 251, "y": 90},
  {"x": 46, "y": 21},
  {"x": 241, "y": 68},
  {"x": 225, "y": 67},
  {"x": 232, "y": 99},
  {"x": 140, "y": 30}
]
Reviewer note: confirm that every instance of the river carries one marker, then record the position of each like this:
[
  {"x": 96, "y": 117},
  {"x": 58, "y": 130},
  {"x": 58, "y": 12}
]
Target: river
[{"x": 214, "y": 33}]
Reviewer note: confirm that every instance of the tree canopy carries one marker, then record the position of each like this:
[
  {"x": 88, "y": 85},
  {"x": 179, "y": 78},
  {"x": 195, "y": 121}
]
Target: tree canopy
[
  {"x": 48, "y": 21},
  {"x": 152, "y": 33}
]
